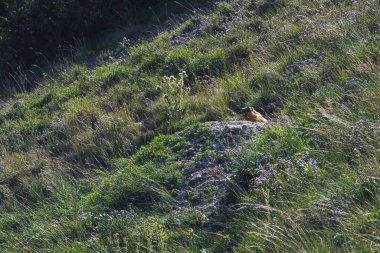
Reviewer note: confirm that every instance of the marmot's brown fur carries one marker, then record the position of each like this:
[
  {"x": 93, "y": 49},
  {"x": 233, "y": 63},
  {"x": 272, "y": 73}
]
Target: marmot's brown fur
[{"x": 251, "y": 115}]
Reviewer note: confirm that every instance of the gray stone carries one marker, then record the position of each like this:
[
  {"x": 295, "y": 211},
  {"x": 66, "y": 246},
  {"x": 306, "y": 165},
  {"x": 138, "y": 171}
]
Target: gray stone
[{"x": 205, "y": 182}]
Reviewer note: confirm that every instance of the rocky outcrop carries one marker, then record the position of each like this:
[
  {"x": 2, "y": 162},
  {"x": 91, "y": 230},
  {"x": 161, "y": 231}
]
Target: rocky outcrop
[{"x": 205, "y": 173}]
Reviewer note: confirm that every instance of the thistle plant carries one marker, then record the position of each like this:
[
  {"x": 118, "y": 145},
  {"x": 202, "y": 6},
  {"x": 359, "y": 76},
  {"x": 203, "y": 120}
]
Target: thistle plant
[{"x": 175, "y": 97}]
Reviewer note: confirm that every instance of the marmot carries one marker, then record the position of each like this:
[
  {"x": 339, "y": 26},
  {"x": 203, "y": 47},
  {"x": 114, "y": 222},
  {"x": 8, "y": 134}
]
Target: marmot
[{"x": 251, "y": 115}]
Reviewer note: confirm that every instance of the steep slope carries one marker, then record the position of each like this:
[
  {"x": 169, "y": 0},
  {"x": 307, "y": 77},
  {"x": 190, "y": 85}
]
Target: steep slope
[{"x": 90, "y": 162}]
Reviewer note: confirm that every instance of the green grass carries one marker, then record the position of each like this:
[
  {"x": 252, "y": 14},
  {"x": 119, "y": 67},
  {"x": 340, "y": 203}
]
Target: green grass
[{"x": 77, "y": 173}]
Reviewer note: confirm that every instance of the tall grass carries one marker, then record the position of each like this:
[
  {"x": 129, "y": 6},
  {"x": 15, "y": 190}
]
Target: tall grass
[{"x": 77, "y": 174}]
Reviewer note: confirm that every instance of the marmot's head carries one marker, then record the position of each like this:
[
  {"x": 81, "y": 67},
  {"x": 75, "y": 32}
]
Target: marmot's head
[{"x": 249, "y": 109}]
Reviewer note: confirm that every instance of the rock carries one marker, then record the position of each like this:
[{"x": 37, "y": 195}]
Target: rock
[
  {"x": 205, "y": 181},
  {"x": 188, "y": 170}
]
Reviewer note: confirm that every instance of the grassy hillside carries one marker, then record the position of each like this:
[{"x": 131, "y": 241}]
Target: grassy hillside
[
  {"x": 34, "y": 33},
  {"x": 86, "y": 158}
]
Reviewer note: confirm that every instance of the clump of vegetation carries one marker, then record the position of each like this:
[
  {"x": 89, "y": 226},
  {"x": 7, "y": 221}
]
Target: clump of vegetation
[{"x": 175, "y": 96}]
